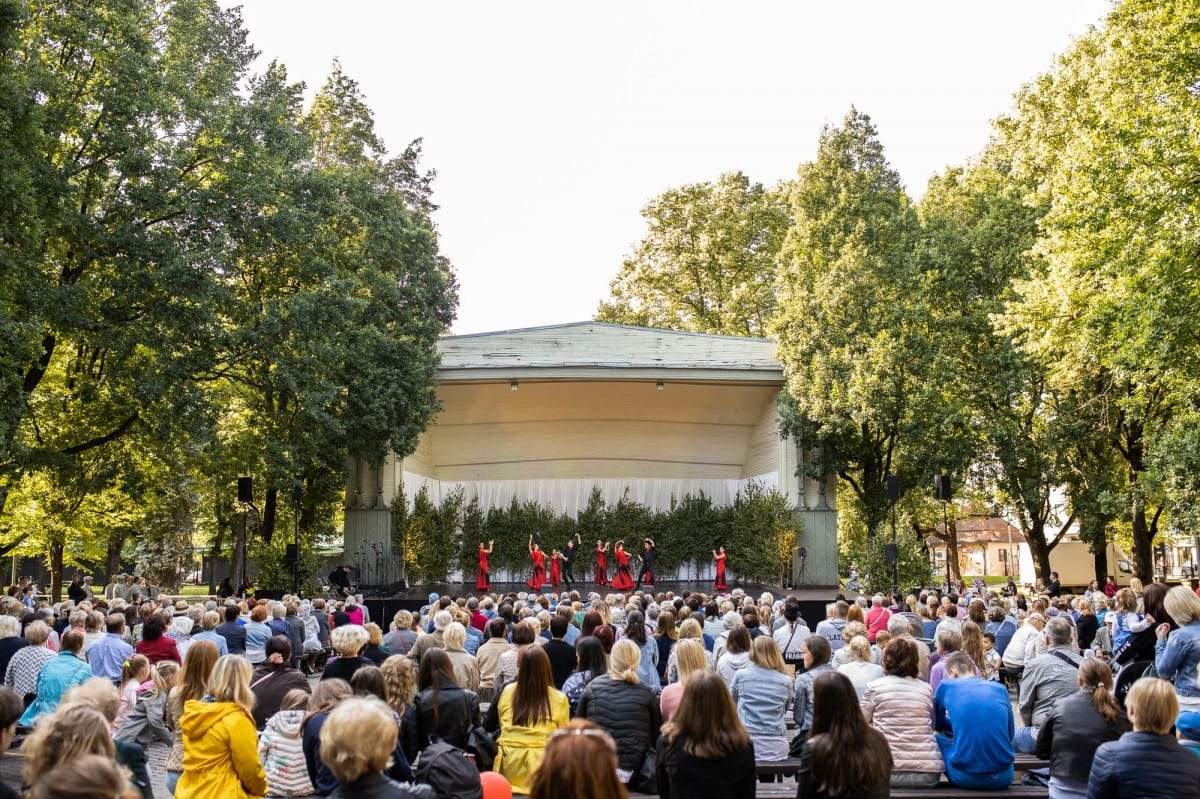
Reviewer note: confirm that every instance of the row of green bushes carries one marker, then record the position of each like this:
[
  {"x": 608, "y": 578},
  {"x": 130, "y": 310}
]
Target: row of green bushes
[{"x": 759, "y": 531}]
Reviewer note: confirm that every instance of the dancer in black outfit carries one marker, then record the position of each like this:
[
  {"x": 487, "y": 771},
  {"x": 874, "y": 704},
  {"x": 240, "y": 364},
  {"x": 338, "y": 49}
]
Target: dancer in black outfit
[
  {"x": 568, "y": 562},
  {"x": 649, "y": 553}
]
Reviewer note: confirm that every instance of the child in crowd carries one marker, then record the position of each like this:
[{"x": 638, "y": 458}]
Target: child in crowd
[
  {"x": 281, "y": 748},
  {"x": 991, "y": 656},
  {"x": 135, "y": 676},
  {"x": 1127, "y": 620}
]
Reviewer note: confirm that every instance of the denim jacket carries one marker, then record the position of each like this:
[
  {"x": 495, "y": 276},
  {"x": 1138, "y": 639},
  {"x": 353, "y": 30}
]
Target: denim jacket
[
  {"x": 1177, "y": 658},
  {"x": 762, "y": 697}
]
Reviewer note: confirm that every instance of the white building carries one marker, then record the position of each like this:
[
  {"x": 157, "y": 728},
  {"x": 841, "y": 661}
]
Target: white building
[{"x": 548, "y": 413}]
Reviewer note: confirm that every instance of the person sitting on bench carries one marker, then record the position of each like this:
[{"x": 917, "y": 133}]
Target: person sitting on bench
[{"x": 974, "y": 720}]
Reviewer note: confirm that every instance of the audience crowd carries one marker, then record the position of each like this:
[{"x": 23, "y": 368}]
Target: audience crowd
[{"x": 596, "y": 696}]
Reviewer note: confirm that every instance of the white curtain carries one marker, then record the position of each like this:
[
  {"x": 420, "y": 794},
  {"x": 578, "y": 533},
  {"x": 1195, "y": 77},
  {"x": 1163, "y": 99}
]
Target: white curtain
[{"x": 570, "y": 496}]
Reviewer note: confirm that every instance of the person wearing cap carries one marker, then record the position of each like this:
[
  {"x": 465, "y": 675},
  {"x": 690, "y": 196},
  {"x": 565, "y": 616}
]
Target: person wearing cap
[
  {"x": 75, "y": 590},
  {"x": 1015, "y": 654},
  {"x": 1187, "y": 729}
]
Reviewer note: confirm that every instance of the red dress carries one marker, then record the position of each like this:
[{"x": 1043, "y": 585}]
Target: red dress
[
  {"x": 483, "y": 580},
  {"x": 538, "y": 579},
  {"x": 720, "y": 584},
  {"x": 601, "y": 567},
  {"x": 623, "y": 579},
  {"x": 555, "y": 574}
]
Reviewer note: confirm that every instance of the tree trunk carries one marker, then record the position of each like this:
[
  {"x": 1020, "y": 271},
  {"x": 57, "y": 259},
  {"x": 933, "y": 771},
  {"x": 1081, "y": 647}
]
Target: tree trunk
[
  {"x": 237, "y": 558},
  {"x": 112, "y": 553},
  {"x": 56, "y": 567},
  {"x": 952, "y": 551},
  {"x": 1143, "y": 535},
  {"x": 1039, "y": 549}
]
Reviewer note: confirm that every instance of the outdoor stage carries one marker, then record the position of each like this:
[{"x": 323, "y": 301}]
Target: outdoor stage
[{"x": 383, "y": 607}]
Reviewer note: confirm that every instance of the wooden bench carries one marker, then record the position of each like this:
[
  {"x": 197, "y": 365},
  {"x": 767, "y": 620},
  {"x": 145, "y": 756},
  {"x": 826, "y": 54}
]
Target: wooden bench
[{"x": 787, "y": 790}]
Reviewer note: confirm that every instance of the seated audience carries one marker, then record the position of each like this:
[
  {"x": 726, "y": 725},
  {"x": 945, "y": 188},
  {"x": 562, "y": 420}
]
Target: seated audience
[
  {"x": 348, "y": 641},
  {"x": 900, "y": 706},
  {"x": 220, "y": 743},
  {"x": 1177, "y": 652},
  {"x": 1147, "y": 762},
  {"x": 441, "y": 708},
  {"x": 356, "y": 744},
  {"x": 974, "y": 720},
  {"x": 705, "y": 751},
  {"x": 844, "y": 758},
  {"x": 690, "y": 657},
  {"x": 1047, "y": 679},
  {"x": 816, "y": 661},
  {"x": 623, "y": 706},
  {"x": 529, "y": 709},
  {"x": 762, "y": 694},
  {"x": 274, "y": 678},
  {"x": 1076, "y": 726}
]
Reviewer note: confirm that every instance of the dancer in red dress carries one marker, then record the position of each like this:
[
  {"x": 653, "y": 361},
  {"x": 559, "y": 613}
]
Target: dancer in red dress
[
  {"x": 720, "y": 584},
  {"x": 555, "y": 574},
  {"x": 483, "y": 578},
  {"x": 601, "y": 563},
  {"x": 623, "y": 579},
  {"x": 538, "y": 579}
]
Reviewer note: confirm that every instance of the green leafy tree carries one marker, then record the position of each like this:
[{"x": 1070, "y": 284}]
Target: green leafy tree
[
  {"x": 707, "y": 261},
  {"x": 1108, "y": 138},
  {"x": 856, "y": 333}
]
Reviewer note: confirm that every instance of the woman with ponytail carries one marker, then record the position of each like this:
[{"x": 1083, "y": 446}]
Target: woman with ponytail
[
  {"x": 624, "y": 707},
  {"x": 1077, "y": 726}
]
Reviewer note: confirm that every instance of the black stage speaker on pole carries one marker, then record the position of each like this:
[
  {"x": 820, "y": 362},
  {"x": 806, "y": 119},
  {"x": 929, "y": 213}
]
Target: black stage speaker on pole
[
  {"x": 293, "y": 554},
  {"x": 893, "y": 486},
  {"x": 245, "y": 489},
  {"x": 889, "y": 554},
  {"x": 941, "y": 487}
]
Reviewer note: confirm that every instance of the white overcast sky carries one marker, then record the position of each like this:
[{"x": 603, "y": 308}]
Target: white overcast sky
[{"x": 550, "y": 124}]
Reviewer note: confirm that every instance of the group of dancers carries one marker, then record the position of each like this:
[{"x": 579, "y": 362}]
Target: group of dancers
[{"x": 562, "y": 564}]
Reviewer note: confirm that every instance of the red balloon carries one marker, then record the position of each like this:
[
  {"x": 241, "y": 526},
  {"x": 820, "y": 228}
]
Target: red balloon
[{"x": 495, "y": 786}]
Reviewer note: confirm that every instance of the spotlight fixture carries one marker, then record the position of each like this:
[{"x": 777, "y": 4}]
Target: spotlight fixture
[
  {"x": 513, "y": 385},
  {"x": 659, "y": 385}
]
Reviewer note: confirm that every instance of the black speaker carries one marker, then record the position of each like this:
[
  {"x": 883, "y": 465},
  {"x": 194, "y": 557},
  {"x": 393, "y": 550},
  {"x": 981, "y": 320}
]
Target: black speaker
[
  {"x": 292, "y": 555},
  {"x": 889, "y": 554},
  {"x": 297, "y": 491},
  {"x": 941, "y": 487},
  {"x": 245, "y": 489},
  {"x": 893, "y": 484}
]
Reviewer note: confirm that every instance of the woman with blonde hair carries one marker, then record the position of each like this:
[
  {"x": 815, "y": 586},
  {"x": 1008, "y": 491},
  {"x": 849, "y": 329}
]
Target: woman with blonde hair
[
  {"x": 191, "y": 685},
  {"x": 1148, "y": 761},
  {"x": 349, "y": 641},
  {"x": 861, "y": 668},
  {"x": 690, "y": 628},
  {"x": 220, "y": 741},
  {"x": 529, "y": 710},
  {"x": 1177, "y": 652},
  {"x": 623, "y": 706},
  {"x": 690, "y": 657},
  {"x": 400, "y": 682},
  {"x": 358, "y": 740},
  {"x": 466, "y": 670},
  {"x": 86, "y": 777},
  {"x": 704, "y": 751},
  {"x": 762, "y": 693},
  {"x": 1076, "y": 727},
  {"x": 581, "y": 762},
  {"x": 69, "y": 733},
  {"x": 972, "y": 644}
]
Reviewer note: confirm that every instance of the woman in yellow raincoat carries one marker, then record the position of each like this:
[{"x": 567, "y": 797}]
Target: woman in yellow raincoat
[
  {"x": 529, "y": 710},
  {"x": 220, "y": 742}
]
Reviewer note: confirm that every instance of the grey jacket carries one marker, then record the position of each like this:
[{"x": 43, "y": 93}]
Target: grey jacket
[{"x": 1047, "y": 679}]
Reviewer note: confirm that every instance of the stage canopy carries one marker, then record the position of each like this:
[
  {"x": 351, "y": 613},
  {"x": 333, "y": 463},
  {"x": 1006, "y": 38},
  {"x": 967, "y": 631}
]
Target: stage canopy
[{"x": 549, "y": 413}]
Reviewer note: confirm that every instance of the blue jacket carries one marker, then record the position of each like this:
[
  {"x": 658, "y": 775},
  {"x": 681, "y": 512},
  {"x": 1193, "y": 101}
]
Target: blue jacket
[
  {"x": 57, "y": 676},
  {"x": 762, "y": 697},
  {"x": 980, "y": 715},
  {"x": 1142, "y": 765},
  {"x": 1177, "y": 659}
]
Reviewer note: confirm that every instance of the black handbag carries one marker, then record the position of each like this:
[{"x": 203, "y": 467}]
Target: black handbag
[
  {"x": 645, "y": 779},
  {"x": 481, "y": 744}
]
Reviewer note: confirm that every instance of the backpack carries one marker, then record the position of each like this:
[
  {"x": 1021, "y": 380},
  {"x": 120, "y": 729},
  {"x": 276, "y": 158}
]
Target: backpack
[{"x": 447, "y": 770}]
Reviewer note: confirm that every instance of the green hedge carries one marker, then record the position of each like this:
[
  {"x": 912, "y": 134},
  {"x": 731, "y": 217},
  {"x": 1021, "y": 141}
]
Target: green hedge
[{"x": 758, "y": 531}]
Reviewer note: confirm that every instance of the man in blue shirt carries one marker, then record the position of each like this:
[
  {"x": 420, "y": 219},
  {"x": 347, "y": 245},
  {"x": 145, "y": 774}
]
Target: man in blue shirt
[
  {"x": 974, "y": 720},
  {"x": 107, "y": 655}
]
